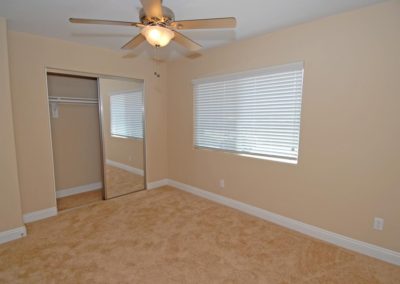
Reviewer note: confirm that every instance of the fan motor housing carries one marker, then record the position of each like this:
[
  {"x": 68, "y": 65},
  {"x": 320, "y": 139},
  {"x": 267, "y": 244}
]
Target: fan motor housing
[{"x": 168, "y": 17}]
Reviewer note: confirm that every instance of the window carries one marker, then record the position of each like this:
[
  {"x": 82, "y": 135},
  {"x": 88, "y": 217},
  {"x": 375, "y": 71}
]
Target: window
[
  {"x": 255, "y": 113},
  {"x": 127, "y": 115}
]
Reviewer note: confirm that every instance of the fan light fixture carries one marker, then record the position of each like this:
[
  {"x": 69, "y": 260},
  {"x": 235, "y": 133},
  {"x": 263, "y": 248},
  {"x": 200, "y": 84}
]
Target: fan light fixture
[
  {"x": 157, "y": 35},
  {"x": 158, "y": 26}
]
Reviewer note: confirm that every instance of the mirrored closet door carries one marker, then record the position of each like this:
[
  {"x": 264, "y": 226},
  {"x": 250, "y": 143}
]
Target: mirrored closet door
[{"x": 122, "y": 124}]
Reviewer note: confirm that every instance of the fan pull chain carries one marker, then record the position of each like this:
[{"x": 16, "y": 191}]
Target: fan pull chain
[{"x": 156, "y": 61}]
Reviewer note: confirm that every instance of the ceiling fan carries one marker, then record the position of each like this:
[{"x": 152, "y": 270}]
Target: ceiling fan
[{"x": 158, "y": 26}]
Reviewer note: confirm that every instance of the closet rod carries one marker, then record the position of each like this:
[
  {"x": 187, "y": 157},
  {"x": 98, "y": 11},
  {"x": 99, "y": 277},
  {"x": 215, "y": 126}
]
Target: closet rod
[{"x": 71, "y": 100}]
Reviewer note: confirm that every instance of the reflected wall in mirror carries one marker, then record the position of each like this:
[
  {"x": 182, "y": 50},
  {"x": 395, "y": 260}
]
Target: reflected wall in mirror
[{"x": 122, "y": 106}]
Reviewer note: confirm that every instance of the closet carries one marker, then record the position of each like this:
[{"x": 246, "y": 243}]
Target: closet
[
  {"x": 75, "y": 131},
  {"x": 98, "y": 141}
]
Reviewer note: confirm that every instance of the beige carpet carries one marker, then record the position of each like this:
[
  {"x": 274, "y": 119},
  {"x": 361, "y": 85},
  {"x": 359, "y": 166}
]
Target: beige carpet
[
  {"x": 120, "y": 182},
  {"x": 77, "y": 200},
  {"x": 167, "y": 236}
]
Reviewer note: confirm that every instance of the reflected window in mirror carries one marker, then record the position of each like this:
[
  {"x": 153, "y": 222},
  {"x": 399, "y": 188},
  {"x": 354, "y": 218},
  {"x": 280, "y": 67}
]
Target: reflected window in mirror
[{"x": 126, "y": 111}]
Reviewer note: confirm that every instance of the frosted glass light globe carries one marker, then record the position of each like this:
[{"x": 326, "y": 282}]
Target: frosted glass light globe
[{"x": 157, "y": 35}]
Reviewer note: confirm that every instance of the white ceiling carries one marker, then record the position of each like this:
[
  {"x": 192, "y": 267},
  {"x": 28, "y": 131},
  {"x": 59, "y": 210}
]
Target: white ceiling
[{"x": 254, "y": 17}]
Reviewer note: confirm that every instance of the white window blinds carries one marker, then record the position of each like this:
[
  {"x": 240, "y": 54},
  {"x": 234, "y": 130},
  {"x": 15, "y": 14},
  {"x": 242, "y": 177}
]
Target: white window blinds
[
  {"x": 255, "y": 113},
  {"x": 127, "y": 114}
]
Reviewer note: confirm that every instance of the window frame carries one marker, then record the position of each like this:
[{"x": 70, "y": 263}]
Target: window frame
[{"x": 241, "y": 75}]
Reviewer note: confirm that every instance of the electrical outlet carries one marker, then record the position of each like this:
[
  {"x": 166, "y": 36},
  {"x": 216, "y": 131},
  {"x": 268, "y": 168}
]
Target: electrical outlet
[
  {"x": 221, "y": 183},
  {"x": 378, "y": 223}
]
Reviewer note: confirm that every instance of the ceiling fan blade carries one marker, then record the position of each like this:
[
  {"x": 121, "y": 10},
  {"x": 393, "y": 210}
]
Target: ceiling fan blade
[
  {"x": 152, "y": 8},
  {"x": 104, "y": 22},
  {"x": 134, "y": 42},
  {"x": 186, "y": 42},
  {"x": 216, "y": 23},
  {"x": 193, "y": 55}
]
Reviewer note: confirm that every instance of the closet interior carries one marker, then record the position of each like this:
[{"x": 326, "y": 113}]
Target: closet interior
[{"x": 76, "y": 139}]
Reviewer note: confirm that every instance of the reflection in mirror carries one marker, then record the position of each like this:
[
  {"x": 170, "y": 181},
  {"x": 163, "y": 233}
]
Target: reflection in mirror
[{"x": 123, "y": 135}]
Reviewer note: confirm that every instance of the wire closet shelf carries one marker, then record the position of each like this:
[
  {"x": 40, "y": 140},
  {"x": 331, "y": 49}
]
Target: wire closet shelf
[{"x": 72, "y": 100}]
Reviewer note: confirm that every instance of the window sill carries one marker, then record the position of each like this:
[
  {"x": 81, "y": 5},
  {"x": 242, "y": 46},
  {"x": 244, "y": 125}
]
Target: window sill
[
  {"x": 268, "y": 158},
  {"x": 125, "y": 137},
  {"x": 274, "y": 159}
]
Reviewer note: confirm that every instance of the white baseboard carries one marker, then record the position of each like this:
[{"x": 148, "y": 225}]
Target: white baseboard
[
  {"x": 315, "y": 232},
  {"x": 157, "y": 184},
  {"x": 39, "y": 215},
  {"x": 79, "y": 189},
  {"x": 125, "y": 167},
  {"x": 12, "y": 234}
]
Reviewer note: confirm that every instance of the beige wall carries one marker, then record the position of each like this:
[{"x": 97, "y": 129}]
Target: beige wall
[
  {"x": 71, "y": 86},
  {"x": 10, "y": 206},
  {"x": 348, "y": 169},
  {"x": 121, "y": 150},
  {"x": 75, "y": 133},
  {"x": 76, "y": 146},
  {"x": 29, "y": 56},
  {"x": 126, "y": 151}
]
